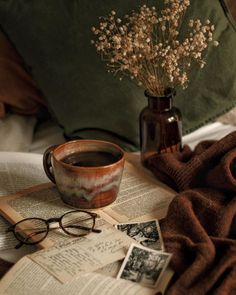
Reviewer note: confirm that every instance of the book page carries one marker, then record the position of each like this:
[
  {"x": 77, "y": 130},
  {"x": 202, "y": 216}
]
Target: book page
[
  {"x": 27, "y": 277},
  {"x": 17, "y": 171},
  {"x": 82, "y": 255},
  {"x": 141, "y": 197},
  {"x": 6, "y": 241}
]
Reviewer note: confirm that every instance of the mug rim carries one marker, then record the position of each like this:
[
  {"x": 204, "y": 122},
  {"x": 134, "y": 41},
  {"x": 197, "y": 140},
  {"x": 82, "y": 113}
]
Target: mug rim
[{"x": 116, "y": 146}]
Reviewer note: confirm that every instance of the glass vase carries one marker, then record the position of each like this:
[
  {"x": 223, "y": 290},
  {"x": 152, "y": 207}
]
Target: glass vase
[{"x": 160, "y": 126}]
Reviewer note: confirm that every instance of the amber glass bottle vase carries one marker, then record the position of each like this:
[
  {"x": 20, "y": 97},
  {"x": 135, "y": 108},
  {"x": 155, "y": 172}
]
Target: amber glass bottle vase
[{"x": 160, "y": 126}]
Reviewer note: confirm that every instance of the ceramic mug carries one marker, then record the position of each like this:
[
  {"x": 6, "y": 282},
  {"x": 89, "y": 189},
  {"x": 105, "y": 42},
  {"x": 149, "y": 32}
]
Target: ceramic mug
[{"x": 87, "y": 173}]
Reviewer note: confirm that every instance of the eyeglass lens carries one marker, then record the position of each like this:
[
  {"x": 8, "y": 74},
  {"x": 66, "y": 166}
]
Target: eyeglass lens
[
  {"x": 77, "y": 223},
  {"x": 31, "y": 231}
]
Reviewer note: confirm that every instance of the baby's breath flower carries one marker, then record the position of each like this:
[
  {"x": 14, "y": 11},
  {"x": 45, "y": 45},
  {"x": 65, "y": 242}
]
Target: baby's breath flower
[{"x": 145, "y": 45}]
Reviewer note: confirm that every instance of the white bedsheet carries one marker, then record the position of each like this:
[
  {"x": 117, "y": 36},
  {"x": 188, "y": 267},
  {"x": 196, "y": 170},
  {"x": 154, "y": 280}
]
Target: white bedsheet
[
  {"x": 213, "y": 131},
  {"x": 18, "y": 134},
  {"x": 22, "y": 134},
  {"x": 47, "y": 134}
]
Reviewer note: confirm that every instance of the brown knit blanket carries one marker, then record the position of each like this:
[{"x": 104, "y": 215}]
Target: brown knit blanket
[{"x": 200, "y": 226}]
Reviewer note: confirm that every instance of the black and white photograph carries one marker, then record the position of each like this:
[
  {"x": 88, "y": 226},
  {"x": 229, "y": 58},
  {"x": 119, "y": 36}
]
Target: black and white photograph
[
  {"x": 144, "y": 266},
  {"x": 146, "y": 233}
]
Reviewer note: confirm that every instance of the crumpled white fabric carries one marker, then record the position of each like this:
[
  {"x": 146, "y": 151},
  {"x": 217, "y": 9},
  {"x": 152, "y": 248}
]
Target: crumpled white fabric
[
  {"x": 229, "y": 117},
  {"x": 16, "y": 132},
  {"x": 47, "y": 133}
]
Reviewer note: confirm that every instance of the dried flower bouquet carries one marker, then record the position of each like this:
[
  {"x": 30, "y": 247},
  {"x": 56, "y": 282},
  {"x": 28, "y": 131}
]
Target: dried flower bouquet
[{"x": 145, "y": 45}]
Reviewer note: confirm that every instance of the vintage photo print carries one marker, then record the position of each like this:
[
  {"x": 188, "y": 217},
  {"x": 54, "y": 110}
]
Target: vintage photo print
[
  {"x": 144, "y": 266},
  {"x": 146, "y": 233}
]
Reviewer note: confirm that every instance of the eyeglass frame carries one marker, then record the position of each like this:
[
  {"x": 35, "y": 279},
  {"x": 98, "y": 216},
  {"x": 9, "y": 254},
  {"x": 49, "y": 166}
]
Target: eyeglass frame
[{"x": 51, "y": 220}]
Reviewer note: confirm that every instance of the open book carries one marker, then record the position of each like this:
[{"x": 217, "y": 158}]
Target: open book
[
  {"x": 17, "y": 171},
  {"x": 30, "y": 278},
  {"x": 141, "y": 198}
]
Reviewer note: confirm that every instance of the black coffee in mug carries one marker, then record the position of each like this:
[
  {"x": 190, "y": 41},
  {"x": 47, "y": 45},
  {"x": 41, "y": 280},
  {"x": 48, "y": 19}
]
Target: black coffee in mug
[{"x": 91, "y": 158}]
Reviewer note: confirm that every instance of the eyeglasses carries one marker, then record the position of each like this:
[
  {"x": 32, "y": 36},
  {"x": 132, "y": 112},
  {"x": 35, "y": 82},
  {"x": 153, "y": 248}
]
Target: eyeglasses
[{"x": 31, "y": 231}]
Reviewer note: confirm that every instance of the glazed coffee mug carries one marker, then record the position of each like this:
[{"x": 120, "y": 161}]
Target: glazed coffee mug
[{"x": 87, "y": 173}]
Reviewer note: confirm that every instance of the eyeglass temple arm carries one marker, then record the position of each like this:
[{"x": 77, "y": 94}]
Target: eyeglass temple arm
[
  {"x": 85, "y": 228},
  {"x": 95, "y": 230},
  {"x": 72, "y": 226},
  {"x": 20, "y": 244},
  {"x": 27, "y": 238},
  {"x": 9, "y": 229}
]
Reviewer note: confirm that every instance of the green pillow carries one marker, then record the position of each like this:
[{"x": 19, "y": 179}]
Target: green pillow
[
  {"x": 53, "y": 38},
  {"x": 212, "y": 90}
]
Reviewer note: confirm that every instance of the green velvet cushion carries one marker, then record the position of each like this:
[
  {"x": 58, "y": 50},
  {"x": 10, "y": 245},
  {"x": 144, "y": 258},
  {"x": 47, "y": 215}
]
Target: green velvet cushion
[{"x": 54, "y": 37}]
